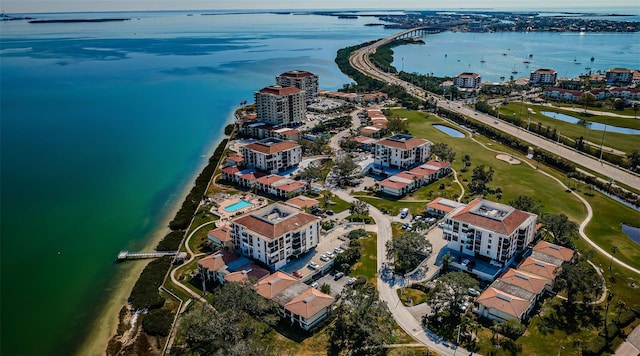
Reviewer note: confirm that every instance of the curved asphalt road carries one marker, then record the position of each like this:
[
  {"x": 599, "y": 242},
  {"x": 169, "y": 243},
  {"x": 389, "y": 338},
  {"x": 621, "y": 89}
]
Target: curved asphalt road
[{"x": 359, "y": 59}]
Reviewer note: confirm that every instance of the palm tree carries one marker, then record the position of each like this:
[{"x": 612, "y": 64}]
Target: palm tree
[
  {"x": 614, "y": 250},
  {"x": 621, "y": 305}
]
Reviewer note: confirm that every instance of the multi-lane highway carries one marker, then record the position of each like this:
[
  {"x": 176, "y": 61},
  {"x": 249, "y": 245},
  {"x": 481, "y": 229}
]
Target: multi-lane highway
[{"x": 360, "y": 60}]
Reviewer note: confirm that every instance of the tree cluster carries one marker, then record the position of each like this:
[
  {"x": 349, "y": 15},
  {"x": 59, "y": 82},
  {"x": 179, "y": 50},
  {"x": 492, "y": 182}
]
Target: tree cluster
[
  {"x": 443, "y": 152},
  {"x": 190, "y": 204},
  {"x": 479, "y": 180},
  {"x": 564, "y": 232},
  {"x": 445, "y": 299},
  {"x": 144, "y": 294},
  {"x": 362, "y": 323},
  {"x": 407, "y": 251}
]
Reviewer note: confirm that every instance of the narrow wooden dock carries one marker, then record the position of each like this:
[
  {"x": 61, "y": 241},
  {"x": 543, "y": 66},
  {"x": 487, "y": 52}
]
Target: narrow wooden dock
[{"x": 126, "y": 255}]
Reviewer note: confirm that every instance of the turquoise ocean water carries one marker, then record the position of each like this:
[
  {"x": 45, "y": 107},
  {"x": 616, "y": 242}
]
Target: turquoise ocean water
[{"x": 103, "y": 124}]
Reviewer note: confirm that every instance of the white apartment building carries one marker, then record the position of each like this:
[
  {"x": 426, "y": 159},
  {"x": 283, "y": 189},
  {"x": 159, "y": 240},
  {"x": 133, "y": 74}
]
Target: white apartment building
[
  {"x": 467, "y": 80},
  {"x": 274, "y": 233},
  {"x": 272, "y": 155},
  {"x": 278, "y": 105},
  {"x": 302, "y": 80},
  {"x": 619, "y": 75},
  {"x": 493, "y": 230},
  {"x": 401, "y": 151},
  {"x": 543, "y": 76}
]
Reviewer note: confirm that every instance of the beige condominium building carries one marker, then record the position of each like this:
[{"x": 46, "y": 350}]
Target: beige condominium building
[
  {"x": 401, "y": 151},
  {"x": 302, "y": 80},
  {"x": 275, "y": 233},
  {"x": 272, "y": 155},
  {"x": 278, "y": 105}
]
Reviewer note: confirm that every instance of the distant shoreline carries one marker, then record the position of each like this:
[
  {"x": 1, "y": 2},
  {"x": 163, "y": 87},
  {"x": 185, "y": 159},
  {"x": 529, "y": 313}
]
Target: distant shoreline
[{"x": 78, "y": 20}]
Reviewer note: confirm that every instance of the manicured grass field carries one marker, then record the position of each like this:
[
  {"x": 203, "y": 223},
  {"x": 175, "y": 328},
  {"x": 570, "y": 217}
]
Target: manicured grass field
[
  {"x": 336, "y": 204},
  {"x": 367, "y": 265},
  {"x": 619, "y": 141},
  {"x": 393, "y": 207},
  {"x": 417, "y": 296}
]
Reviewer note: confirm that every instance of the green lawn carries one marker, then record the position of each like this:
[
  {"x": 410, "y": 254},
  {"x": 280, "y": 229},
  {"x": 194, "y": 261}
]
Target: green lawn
[
  {"x": 392, "y": 207},
  {"x": 627, "y": 111},
  {"x": 367, "y": 265},
  {"x": 432, "y": 191},
  {"x": 619, "y": 141},
  {"x": 415, "y": 295},
  {"x": 336, "y": 204}
]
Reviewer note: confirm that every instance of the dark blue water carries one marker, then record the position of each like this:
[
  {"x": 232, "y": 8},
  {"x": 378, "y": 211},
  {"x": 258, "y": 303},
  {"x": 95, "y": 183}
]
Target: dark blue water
[
  {"x": 632, "y": 232},
  {"x": 103, "y": 124},
  {"x": 592, "y": 125}
]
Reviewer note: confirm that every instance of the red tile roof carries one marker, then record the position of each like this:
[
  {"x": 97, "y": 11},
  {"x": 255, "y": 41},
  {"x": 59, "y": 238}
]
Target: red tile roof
[
  {"x": 309, "y": 303},
  {"x": 290, "y": 186},
  {"x": 544, "y": 71},
  {"x": 252, "y": 176},
  {"x": 278, "y": 90},
  {"x": 413, "y": 142},
  {"x": 527, "y": 282},
  {"x": 271, "y": 178},
  {"x": 235, "y": 158},
  {"x": 297, "y": 74},
  {"x": 245, "y": 272},
  {"x": 425, "y": 172},
  {"x": 440, "y": 164},
  {"x": 537, "y": 267},
  {"x": 218, "y": 260},
  {"x": 435, "y": 204},
  {"x": 230, "y": 170},
  {"x": 272, "y": 148},
  {"x": 271, "y": 230},
  {"x": 222, "y": 233},
  {"x": 394, "y": 184},
  {"x": 302, "y": 202},
  {"x": 468, "y": 75},
  {"x": 504, "y": 302},
  {"x": 274, "y": 284},
  {"x": 563, "y": 253},
  {"x": 505, "y": 226}
]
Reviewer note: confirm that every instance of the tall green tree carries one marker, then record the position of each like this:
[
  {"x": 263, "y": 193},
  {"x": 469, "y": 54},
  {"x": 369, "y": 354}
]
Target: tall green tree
[
  {"x": 443, "y": 152},
  {"x": 310, "y": 173},
  {"x": 345, "y": 167},
  {"x": 526, "y": 203},
  {"x": 407, "y": 251},
  {"x": 480, "y": 178},
  {"x": 564, "y": 231},
  {"x": 362, "y": 323},
  {"x": 445, "y": 299}
]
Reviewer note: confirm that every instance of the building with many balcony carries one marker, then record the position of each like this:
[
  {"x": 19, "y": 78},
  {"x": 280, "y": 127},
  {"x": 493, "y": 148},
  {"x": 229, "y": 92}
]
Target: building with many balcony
[
  {"x": 272, "y": 155},
  {"x": 303, "y": 80},
  {"x": 278, "y": 105},
  {"x": 467, "y": 80},
  {"x": 275, "y": 233},
  {"x": 490, "y": 230},
  {"x": 401, "y": 151},
  {"x": 619, "y": 76},
  {"x": 543, "y": 76}
]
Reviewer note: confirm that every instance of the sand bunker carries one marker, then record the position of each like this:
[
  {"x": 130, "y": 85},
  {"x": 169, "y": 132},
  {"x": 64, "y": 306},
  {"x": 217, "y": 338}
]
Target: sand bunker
[{"x": 508, "y": 159}]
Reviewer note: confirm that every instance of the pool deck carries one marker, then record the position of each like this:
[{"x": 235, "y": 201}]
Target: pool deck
[{"x": 221, "y": 203}]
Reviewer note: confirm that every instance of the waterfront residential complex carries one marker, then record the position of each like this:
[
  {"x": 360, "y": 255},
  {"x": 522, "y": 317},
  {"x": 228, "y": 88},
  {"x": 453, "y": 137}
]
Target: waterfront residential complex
[
  {"x": 489, "y": 229},
  {"x": 467, "y": 80},
  {"x": 543, "y": 76},
  {"x": 401, "y": 151},
  {"x": 278, "y": 105},
  {"x": 619, "y": 75},
  {"x": 274, "y": 233},
  {"x": 302, "y": 80},
  {"x": 272, "y": 155}
]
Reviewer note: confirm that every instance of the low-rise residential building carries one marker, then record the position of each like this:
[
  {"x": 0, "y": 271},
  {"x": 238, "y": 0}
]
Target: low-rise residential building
[
  {"x": 261, "y": 130},
  {"x": 365, "y": 143},
  {"x": 300, "y": 304},
  {"x": 467, "y": 80},
  {"x": 545, "y": 270},
  {"x": 563, "y": 94},
  {"x": 278, "y": 105},
  {"x": 401, "y": 151},
  {"x": 498, "y": 305},
  {"x": 302, "y": 202},
  {"x": 224, "y": 266},
  {"x": 220, "y": 237},
  {"x": 543, "y": 76},
  {"x": 234, "y": 160},
  {"x": 275, "y": 233},
  {"x": 492, "y": 230},
  {"x": 303, "y": 80},
  {"x": 404, "y": 182},
  {"x": 440, "y": 207},
  {"x": 272, "y": 155},
  {"x": 552, "y": 253},
  {"x": 619, "y": 76}
]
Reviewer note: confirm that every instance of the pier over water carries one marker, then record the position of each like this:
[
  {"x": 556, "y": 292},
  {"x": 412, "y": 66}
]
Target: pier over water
[{"x": 126, "y": 255}]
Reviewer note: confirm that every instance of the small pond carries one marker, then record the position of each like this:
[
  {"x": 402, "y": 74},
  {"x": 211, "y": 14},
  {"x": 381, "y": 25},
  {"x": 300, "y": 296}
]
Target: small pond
[
  {"x": 589, "y": 124},
  {"x": 632, "y": 232},
  {"x": 449, "y": 131}
]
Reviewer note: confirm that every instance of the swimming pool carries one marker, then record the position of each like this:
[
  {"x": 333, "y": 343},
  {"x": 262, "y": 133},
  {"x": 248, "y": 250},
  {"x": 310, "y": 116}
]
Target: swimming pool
[
  {"x": 237, "y": 206},
  {"x": 449, "y": 131}
]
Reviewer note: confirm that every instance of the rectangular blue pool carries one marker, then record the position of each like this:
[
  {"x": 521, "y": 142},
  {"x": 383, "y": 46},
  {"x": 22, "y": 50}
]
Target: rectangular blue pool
[{"x": 237, "y": 206}]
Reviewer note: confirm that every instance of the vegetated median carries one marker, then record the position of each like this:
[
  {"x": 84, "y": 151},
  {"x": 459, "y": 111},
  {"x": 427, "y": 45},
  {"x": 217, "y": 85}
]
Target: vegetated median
[{"x": 145, "y": 297}]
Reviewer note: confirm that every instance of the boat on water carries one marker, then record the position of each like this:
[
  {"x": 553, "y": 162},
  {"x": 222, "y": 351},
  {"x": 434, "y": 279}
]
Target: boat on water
[
  {"x": 530, "y": 55},
  {"x": 592, "y": 59},
  {"x": 526, "y": 62}
]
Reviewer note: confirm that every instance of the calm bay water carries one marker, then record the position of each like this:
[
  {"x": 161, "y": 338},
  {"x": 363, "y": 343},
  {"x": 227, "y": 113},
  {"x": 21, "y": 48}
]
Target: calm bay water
[
  {"x": 503, "y": 53},
  {"x": 104, "y": 123}
]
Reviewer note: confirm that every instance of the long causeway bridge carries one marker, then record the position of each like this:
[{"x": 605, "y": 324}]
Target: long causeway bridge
[{"x": 126, "y": 255}]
